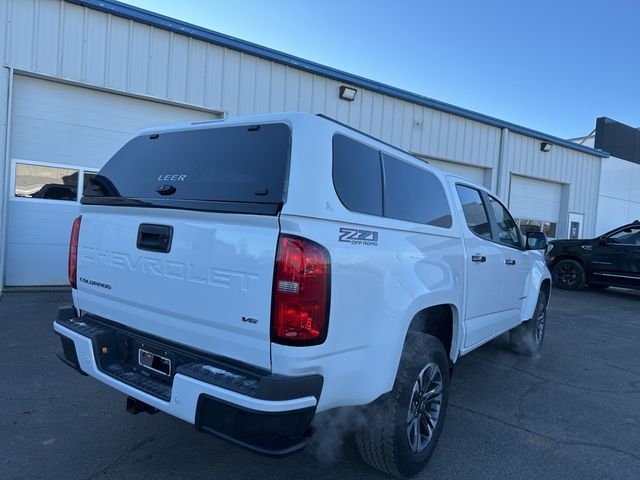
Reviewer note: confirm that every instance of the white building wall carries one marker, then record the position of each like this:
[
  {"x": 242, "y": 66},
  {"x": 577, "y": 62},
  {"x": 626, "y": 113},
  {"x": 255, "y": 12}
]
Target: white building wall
[
  {"x": 619, "y": 192},
  {"x": 60, "y": 40}
]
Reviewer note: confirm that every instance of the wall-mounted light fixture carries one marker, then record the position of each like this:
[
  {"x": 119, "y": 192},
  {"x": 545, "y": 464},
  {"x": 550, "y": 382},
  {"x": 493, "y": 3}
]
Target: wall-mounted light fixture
[
  {"x": 545, "y": 146},
  {"x": 348, "y": 93}
]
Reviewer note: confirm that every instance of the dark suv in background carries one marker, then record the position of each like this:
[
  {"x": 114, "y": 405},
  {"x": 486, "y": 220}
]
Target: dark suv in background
[{"x": 612, "y": 259}]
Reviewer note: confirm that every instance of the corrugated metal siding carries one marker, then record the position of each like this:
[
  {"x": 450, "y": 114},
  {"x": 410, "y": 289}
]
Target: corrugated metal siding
[
  {"x": 63, "y": 40},
  {"x": 580, "y": 171}
]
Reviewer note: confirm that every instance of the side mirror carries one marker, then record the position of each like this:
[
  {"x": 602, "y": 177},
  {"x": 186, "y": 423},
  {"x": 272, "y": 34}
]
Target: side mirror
[
  {"x": 536, "y": 241},
  {"x": 604, "y": 240}
]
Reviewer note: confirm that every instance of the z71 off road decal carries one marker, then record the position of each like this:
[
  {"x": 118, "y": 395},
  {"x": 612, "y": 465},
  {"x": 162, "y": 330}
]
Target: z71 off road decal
[{"x": 358, "y": 237}]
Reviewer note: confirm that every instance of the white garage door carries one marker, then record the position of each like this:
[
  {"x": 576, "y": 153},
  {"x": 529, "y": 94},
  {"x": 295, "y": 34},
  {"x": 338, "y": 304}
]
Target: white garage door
[
  {"x": 536, "y": 204},
  {"x": 60, "y": 134},
  {"x": 471, "y": 172}
]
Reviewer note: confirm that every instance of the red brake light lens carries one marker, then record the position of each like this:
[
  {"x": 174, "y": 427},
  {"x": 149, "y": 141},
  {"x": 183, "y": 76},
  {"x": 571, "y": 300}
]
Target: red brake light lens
[
  {"x": 73, "y": 252},
  {"x": 301, "y": 292}
]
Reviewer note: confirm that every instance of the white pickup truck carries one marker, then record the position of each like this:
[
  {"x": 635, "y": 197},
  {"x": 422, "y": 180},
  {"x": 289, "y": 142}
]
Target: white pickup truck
[{"x": 244, "y": 275}]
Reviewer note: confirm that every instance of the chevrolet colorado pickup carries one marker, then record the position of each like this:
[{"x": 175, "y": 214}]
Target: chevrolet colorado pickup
[{"x": 244, "y": 275}]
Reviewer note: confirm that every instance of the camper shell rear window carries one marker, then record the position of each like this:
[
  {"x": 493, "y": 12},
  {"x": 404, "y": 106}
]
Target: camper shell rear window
[{"x": 238, "y": 169}]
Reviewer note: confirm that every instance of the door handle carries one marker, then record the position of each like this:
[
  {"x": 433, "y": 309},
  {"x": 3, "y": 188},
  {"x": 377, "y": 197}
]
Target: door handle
[
  {"x": 155, "y": 238},
  {"x": 478, "y": 258},
  {"x": 510, "y": 261}
]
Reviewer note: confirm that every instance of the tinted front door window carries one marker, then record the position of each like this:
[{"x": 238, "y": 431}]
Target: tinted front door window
[
  {"x": 508, "y": 232},
  {"x": 618, "y": 258},
  {"x": 628, "y": 236}
]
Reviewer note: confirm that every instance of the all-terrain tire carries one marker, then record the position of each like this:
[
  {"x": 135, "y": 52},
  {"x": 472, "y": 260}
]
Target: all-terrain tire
[
  {"x": 385, "y": 442},
  {"x": 527, "y": 338}
]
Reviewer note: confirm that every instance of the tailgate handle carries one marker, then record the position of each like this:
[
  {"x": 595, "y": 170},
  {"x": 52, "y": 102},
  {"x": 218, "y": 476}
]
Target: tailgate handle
[{"x": 156, "y": 238}]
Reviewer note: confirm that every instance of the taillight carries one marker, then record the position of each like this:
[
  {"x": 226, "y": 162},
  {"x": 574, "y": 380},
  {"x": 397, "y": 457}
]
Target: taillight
[
  {"x": 73, "y": 252},
  {"x": 301, "y": 291}
]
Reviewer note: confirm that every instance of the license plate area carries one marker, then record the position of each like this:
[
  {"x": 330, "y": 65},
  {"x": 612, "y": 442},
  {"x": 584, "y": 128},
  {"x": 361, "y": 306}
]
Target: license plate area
[{"x": 154, "y": 363}]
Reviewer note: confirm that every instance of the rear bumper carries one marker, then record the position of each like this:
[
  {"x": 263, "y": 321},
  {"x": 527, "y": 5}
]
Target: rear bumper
[{"x": 267, "y": 413}]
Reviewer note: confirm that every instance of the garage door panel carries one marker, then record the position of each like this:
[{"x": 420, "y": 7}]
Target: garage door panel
[
  {"x": 49, "y": 222},
  {"x": 535, "y": 199},
  {"x": 29, "y": 266},
  {"x": 44, "y": 140},
  {"x": 64, "y": 125},
  {"x": 92, "y": 108}
]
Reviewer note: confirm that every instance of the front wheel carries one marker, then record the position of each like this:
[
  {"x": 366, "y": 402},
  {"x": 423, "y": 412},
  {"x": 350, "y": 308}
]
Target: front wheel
[
  {"x": 527, "y": 338},
  {"x": 569, "y": 275},
  {"x": 405, "y": 424}
]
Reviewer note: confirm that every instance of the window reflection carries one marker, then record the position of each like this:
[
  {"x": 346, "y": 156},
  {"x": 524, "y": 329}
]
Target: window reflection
[
  {"x": 508, "y": 232},
  {"x": 528, "y": 225},
  {"x": 53, "y": 183},
  {"x": 87, "y": 185}
]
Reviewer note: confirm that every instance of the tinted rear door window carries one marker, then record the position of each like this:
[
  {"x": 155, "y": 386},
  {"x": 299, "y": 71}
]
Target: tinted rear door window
[
  {"x": 414, "y": 194},
  {"x": 240, "y": 164},
  {"x": 357, "y": 175}
]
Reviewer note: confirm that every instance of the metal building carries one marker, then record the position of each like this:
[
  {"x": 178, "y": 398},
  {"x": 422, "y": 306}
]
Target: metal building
[{"x": 79, "y": 77}]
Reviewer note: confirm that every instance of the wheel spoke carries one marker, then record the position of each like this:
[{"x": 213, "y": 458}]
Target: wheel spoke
[
  {"x": 432, "y": 374},
  {"x": 413, "y": 433},
  {"x": 427, "y": 422},
  {"x": 434, "y": 392}
]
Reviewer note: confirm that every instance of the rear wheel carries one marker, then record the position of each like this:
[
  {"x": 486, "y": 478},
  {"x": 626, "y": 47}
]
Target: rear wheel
[
  {"x": 405, "y": 424},
  {"x": 569, "y": 275},
  {"x": 527, "y": 338}
]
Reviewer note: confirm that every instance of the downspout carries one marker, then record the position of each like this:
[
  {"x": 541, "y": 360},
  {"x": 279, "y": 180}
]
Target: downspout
[
  {"x": 5, "y": 190},
  {"x": 500, "y": 175}
]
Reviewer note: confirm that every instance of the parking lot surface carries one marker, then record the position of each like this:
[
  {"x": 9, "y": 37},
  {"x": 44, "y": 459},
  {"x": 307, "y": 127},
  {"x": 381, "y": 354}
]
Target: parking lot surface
[{"x": 572, "y": 413}]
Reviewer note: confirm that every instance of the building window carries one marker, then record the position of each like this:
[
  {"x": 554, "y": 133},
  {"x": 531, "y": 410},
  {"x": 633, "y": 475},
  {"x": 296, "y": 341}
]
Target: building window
[
  {"x": 528, "y": 225},
  {"x": 52, "y": 183}
]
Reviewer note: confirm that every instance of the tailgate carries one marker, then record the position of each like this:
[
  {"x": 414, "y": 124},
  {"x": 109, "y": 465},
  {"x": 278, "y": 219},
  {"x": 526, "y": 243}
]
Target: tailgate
[{"x": 211, "y": 290}]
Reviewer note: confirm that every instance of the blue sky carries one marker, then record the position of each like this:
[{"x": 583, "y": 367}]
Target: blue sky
[{"x": 554, "y": 66}]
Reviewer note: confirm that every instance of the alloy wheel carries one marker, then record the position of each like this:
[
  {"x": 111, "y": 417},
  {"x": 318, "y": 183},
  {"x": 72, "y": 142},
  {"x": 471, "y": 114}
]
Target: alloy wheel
[
  {"x": 567, "y": 274},
  {"x": 424, "y": 407},
  {"x": 541, "y": 320}
]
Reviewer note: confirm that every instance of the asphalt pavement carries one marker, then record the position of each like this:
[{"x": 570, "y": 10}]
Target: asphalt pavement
[{"x": 572, "y": 413}]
